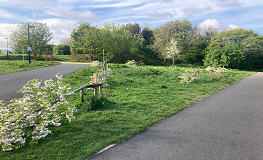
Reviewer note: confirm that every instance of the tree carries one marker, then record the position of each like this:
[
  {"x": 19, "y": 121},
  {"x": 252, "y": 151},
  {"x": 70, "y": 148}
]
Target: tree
[
  {"x": 40, "y": 35},
  {"x": 147, "y": 35},
  {"x": 173, "y": 51},
  {"x": 134, "y": 29},
  {"x": 61, "y": 49},
  {"x": 236, "y": 48},
  {"x": 181, "y": 31},
  {"x": 85, "y": 40}
]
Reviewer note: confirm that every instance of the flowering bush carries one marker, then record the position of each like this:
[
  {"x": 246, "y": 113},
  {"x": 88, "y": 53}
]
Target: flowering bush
[
  {"x": 103, "y": 76},
  {"x": 131, "y": 63},
  {"x": 190, "y": 76},
  {"x": 31, "y": 114},
  {"x": 215, "y": 72},
  {"x": 97, "y": 64}
]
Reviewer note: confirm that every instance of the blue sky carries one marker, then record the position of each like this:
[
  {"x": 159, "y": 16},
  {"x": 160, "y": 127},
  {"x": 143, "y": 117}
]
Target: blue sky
[{"x": 63, "y": 15}]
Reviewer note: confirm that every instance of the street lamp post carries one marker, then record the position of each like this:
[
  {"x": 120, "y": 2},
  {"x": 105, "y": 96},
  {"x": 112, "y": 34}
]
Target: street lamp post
[
  {"x": 29, "y": 48},
  {"x": 7, "y": 48}
]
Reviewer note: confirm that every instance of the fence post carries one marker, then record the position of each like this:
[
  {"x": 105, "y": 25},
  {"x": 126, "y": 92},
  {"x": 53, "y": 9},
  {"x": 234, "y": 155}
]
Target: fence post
[
  {"x": 95, "y": 82},
  {"x": 100, "y": 89},
  {"x": 82, "y": 95}
]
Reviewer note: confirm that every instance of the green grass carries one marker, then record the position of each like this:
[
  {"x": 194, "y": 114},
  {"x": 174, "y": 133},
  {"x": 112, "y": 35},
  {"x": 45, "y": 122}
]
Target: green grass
[
  {"x": 15, "y": 62},
  {"x": 9, "y": 66},
  {"x": 64, "y": 58},
  {"x": 140, "y": 97}
]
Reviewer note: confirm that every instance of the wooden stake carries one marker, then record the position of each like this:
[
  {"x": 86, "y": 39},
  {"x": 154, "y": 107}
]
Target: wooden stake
[
  {"x": 100, "y": 90},
  {"x": 82, "y": 95},
  {"x": 95, "y": 82}
]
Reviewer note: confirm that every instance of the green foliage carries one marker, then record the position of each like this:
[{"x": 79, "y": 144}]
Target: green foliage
[
  {"x": 229, "y": 56},
  {"x": 237, "y": 48},
  {"x": 9, "y": 66},
  {"x": 40, "y": 35},
  {"x": 61, "y": 49}
]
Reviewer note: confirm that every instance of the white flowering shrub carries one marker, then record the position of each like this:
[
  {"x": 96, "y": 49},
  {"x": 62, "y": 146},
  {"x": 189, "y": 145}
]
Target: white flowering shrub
[
  {"x": 215, "y": 72},
  {"x": 33, "y": 113},
  {"x": 190, "y": 76},
  {"x": 97, "y": 63},
  {"x": 131, "y": 63},
  {"x": 102, "y": 77}
]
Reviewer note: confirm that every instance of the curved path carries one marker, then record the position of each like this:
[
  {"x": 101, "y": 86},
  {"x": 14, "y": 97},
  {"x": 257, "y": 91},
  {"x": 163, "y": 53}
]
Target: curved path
[
  {"x": 12, "y": 82},
  {"x": 227, "y": 125}
]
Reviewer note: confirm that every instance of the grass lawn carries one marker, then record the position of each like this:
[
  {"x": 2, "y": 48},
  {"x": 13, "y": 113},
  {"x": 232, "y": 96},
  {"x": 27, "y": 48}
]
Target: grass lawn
[
  {"x": 16, "y": 63},
  {"x": 140, "y": 97},
  {"x": 64, "y": 58},
  {"x": 9, "y": 66}
]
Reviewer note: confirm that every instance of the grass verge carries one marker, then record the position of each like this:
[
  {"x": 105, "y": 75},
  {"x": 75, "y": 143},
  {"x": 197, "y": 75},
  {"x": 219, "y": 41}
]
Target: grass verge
[
  {"x": 9, "y": 66},
  {"x": 140, "y": 97},
  {"x": 64, "y": 58}
]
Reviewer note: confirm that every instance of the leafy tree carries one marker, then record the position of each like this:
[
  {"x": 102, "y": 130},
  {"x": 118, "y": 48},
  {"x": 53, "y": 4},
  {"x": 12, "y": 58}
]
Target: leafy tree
[
  {"x": 48, "y": 49},
  {"x": 237, "y": 48},
  {"x": 147, "y": 35},
  {"x": 200, "y": 39},
  {"x": 227, "y": 56},
  {"x": 134, "y": 29},
  {"x": 181, "y": 31},
  {"x": 61, "y": 49},
  {"x": 118, "y": 43},
  {"x": 40, "y": 35}
]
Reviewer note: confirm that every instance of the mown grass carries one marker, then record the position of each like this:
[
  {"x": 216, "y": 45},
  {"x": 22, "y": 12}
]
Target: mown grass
[
  {"x": 9, "y": 66},
  {"x": 64, "y": 58},
  {"x": 140, "y": 97},
  {"x": 16, "y": 63}
]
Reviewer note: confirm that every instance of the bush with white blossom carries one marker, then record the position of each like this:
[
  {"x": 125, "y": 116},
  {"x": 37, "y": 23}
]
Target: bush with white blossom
[
  {"x": 31, "y": 115},
  {"x": 102, "y": 77},
  {"x": 190, "y": 76}
]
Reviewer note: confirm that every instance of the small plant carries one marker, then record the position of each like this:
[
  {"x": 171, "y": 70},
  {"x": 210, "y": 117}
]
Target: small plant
[
  {"x": 131, "y": 63},
  {"x": 97, "y": 63},
  {"x": 103, "y": 76},
  {"x": 215, "y": 73},
  {"x": 190, "y": 76}
]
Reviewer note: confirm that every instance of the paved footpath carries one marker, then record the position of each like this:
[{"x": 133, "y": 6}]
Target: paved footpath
[
  {"x": 12, "y": 82},
  {"x": 227, "y": 125}
]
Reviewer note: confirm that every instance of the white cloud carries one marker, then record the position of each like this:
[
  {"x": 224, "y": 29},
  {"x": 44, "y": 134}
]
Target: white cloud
[
  {"x": 194, "y": 10},
  {"x": 215, "y": 23},
  {"x": 60, "y": 28},
  {"x": 5, "y": 30},
  {"x": 66, "y": 12},
  {"x": 227, "y": 3},
  {"x": 160, "y": 14}
]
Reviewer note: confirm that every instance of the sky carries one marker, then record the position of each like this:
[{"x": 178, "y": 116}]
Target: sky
[{"x": 62, "y": 16}]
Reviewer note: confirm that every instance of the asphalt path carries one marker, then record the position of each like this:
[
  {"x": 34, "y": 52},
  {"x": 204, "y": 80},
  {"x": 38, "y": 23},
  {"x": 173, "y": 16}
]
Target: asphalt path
[
  {"x": 227, "y": 125},
  {"x": 12, "y": 82}
]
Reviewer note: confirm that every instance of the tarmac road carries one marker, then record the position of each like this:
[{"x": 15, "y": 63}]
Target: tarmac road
[
  {"x": 12, "y": 82},
  {"x": 227, "y": 125}
]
